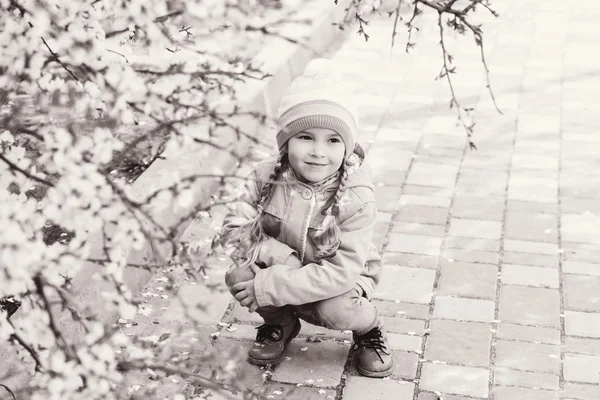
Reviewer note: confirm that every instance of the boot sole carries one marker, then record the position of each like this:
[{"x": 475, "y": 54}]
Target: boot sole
[
  {"x": 375, "y": 374},
  {"x": 275, "y": 361}
]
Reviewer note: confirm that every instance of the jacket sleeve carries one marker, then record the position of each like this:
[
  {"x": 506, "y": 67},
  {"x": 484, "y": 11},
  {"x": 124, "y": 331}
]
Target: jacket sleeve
[
  {"x": 280, "y": 285},
  {"x": 271, "y": 251}
]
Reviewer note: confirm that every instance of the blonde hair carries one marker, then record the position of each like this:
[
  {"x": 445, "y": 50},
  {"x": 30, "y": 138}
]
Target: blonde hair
[{"x": 251, "y": 234}]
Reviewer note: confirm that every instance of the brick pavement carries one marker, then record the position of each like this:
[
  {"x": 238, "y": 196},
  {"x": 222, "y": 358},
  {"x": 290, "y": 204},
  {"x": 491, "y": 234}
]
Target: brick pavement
[{"x": 492, "y": 257}]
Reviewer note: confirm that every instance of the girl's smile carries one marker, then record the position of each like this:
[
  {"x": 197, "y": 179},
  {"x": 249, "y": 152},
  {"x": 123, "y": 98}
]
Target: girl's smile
[{"x": 315, "y": 154}]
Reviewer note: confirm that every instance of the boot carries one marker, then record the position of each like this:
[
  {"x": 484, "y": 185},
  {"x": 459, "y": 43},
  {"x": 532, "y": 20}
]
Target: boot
[
  {"x": 374, "y": 356},
  {"x": 271, "y": 343}
]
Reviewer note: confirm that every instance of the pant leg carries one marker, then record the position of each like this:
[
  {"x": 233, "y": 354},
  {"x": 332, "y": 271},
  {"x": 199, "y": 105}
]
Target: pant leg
[
  {"x": 272, "y": 315},
  {"x": 349, "y": 311}
]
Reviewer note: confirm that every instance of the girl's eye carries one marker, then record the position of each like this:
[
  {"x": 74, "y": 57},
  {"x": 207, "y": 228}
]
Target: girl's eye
[
  {"x": 304, "y": 137},
  {"x": 334, "y": 140}
]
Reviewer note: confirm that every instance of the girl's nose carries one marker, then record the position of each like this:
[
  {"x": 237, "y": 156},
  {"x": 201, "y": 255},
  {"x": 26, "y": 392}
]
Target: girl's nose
[{"x": 318, "y": 149}]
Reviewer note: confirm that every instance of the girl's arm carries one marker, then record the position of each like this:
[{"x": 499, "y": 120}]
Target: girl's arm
[
  {"x": 271, "y": 251},
  {"x": 281, "y": 285}
]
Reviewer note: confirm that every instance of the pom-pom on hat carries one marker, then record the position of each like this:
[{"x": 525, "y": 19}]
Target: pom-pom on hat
[{"x": 318, "y": 99}]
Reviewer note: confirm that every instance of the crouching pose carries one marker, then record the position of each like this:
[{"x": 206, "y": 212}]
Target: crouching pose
[{"x": 304, "y": 229}]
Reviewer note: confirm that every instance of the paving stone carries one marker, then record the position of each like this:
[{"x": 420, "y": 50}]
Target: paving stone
[
  {"x": 528, "y": 333},
  {"x": 432, "y": 175},
  {"x": 412, "y": 285},
  {"x": 582, "y": 368},
  {"x": 579, "y": 185},
  {"x": 512, "y": 393},
  {"x": 582, "y": 345},
  {"x": 522, "y": 246},
  {"x": 380, "y": 234},
  {"x": 418, "y": 229},
  {"x": 427, "y": 190},
  {"x": 581, "y": 391},
  {"x": 475, "y": 228},
  {"x": 582, "y": 292},
  {"x": 422, "y": 214},
  {"x": 528, "y": 160},
  {"x": 404, "y": 325},
  {"x": 580, "y": 267},
  {"x": 489, "y": 208},
  {"x": 581, "y": 252},
  {"x": 416, "y": 200},
  {"x": 410, "y": 260},
  {"x": 405, "y": 364},
  {"x": 525, "y": 356},
  {"x": 223, "y": 350},
  {"x": 509, "y": 377},
  {"x": 446, "y": 396},
  {"x": 237, "y": 331},
  {"x": 530, "y": 276},
  {"x": 472, "y": 244},
  {"x": 532, "y": 185},
  {"x": 534, "y": 227},
  {"x": 468, "y": 280},
  {"x": 386, "y": 177},
  {"x": 324, "y": 360},
  {"x": 360, "y": 388},
  {"x": 241, "y": 314},
  {"x": 580, "y": 228},
  {"x": 485, "y": 257},
  {"x": 314, "y": 331},
  {"x": 530, "y": 306},
  {"x": 192, "y": 304},
  {"x": 465, "y": 343},
  {"x": 462, "y": 309},
  {"x": 582, "y": 324},
  {"x": 387, "y": 197},
  {"x": 538, "y": 260},
  {"x": 481, "y": 182},
  {"x": 573, "y": 205},
  {"x": 276, "y": 390},
  {"x": 535, "y": 207},
  {"x": 416, "y": 244},
  {"x": 454, "y": 379},
  {"x": 412, "y": 343},
  {"x": 407, "y": 310}
]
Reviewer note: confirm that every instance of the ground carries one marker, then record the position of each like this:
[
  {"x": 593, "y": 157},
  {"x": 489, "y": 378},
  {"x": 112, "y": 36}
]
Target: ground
[{"x": 492, "y": 256}]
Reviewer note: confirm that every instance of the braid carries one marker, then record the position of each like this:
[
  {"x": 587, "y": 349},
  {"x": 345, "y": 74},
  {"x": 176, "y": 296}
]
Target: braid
[
  {"x": 256, "y": 234},
  {"x": 328, "y": 239}
]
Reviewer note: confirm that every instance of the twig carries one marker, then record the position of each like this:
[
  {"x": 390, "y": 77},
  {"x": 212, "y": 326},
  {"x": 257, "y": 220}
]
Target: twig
[
  {"x": 38, "y": 364},
  {"x": 160, "y": 19},
  {"x": 396, "y": 19},
  {"x": 39, "y": 285},
  {"x": 15, "y": 167},
  {"x": 9, "y": 391},
  {"x": 410, "y": 25},
  {"x": 57, "y": 59},
  {"x": 446, "y": 72}
]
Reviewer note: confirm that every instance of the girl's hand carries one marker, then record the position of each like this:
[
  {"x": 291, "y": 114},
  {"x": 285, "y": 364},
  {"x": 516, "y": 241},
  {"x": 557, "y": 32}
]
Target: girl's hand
[{"x": 245, "y": 294}]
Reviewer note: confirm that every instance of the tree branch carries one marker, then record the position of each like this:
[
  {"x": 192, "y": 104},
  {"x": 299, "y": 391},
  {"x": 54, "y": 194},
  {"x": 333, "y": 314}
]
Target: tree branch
[
  {"x": 9, "y": 391},
  {"x": 57, "y": 59},
  {"x": 15, "y": 167}
]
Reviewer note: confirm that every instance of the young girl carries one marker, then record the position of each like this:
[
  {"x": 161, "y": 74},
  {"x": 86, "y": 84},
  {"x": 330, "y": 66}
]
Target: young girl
[{"x": 304, "y": 230}]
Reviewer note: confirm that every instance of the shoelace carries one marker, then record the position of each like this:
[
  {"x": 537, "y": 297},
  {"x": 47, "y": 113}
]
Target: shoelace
[
  {"x": 265, "y": 331},
  {"x": 371, "y": 340}
]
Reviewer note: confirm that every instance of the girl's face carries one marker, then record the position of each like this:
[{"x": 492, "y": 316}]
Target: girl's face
[{"x": 315, "y": 154}]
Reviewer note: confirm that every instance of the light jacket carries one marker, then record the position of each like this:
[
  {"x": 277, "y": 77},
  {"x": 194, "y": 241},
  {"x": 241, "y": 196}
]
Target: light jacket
[{"x": 292, "y": 214}]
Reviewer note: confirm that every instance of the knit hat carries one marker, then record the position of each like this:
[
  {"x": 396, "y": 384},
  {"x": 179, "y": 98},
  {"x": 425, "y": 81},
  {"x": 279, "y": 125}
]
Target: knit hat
[{"x": 318, "y": 99}]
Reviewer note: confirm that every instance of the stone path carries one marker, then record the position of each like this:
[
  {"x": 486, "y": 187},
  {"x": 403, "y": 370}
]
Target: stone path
[{"x": 491, "y": 284}]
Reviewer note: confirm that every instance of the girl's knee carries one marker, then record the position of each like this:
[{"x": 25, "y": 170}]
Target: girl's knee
[{"x": 335, "y": 313}]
